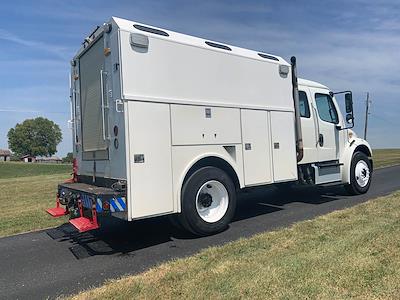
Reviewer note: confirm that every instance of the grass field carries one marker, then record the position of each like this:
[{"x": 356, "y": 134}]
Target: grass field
[
  {"x": 23, "y": 201},
  {"x": 386, "y": 157},
  {"x": 353, "y": 253},
  {"x": 27, "y": 189},
  {"x": 19, "y": 169}
]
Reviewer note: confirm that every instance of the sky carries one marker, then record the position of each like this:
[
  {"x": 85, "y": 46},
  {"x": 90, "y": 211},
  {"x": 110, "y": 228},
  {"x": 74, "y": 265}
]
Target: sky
[{"x": 346, "y": 45}]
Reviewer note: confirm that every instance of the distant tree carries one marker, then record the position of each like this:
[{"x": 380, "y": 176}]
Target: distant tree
[
  {"x": 34, "y": 137},
  {"x": 69, "y": 158}
]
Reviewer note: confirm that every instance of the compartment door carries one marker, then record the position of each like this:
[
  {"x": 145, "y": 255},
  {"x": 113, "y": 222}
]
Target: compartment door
[
  {"x": 149, "y": 139},
  {"x": 201, "y": 125},
  {"x": 256, "y": 147},
  {"x": 283, "y": 146}
]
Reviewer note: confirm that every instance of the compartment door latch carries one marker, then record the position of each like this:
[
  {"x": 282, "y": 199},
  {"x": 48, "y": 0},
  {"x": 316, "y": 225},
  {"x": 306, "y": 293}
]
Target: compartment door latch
[{"x": 119, "y": 106}]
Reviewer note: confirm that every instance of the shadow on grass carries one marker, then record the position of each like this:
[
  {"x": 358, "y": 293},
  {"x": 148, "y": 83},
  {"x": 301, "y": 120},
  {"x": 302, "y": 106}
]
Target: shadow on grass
[{"x": 118, "y": 237}]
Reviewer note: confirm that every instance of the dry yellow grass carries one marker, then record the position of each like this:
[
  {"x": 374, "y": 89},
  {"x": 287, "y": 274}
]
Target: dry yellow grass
[
  {"x": 386, "y": 157},
  {"x": 353, "y": 253}
]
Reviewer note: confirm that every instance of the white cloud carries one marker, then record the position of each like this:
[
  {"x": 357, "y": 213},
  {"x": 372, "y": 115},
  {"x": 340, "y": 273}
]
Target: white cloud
[{"x": 57, "y": 51}]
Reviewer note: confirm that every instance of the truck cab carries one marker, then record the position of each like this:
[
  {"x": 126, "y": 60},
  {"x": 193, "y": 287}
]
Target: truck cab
[{"x": 328, "y": 140}]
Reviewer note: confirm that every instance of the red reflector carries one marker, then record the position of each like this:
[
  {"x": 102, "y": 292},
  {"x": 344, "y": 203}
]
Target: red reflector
[{"x": 106, "y": 205}]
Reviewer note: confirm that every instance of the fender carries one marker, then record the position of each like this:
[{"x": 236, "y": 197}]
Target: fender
[
  {"x": 226, "y": 158},
  {"x": 354, "y": 144}
]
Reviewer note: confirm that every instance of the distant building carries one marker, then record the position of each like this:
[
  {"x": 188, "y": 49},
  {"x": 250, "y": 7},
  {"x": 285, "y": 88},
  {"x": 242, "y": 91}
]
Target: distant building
[
  {"x": 50, "y": 160},
  {"x": 5, "y": 155},
  {"x": 28, "y": 158}
]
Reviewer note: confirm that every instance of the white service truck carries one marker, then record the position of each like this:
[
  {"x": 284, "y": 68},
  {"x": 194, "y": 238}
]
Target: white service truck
[{"x": 169, "y": 124}]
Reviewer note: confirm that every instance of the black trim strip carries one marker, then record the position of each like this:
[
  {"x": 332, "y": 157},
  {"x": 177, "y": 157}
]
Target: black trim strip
[
  {"x": 328, "y": 164},
  {"x": 268, "y": 56},
  {"x": 220, "y": 46},
  {"x": 151, "y": 30}
]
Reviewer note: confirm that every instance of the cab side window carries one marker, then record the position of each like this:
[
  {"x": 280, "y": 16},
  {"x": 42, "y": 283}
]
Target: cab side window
[
  {"x": 304, "y": 107},
  {"x": 326, "y": 108}
]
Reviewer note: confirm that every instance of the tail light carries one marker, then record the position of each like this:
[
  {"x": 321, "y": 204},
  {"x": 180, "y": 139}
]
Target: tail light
[
  {"x": 106, "y": 205},
  {"x": 75, "y": 170}
]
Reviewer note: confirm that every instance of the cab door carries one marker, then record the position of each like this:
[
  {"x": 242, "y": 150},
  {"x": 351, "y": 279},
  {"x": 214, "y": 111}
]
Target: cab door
[
  {"x": 327, "y": 125},
  {"x": 308, "y": 126}
]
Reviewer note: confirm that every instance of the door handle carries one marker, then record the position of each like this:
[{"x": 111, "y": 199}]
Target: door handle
[{"x": 321, "y": 140}]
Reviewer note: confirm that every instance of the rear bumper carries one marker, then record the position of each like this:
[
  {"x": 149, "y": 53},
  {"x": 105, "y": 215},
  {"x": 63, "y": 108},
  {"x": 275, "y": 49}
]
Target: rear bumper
[
  {"x": 106, "y": 200},
  {"x": 83, "y": 202}
]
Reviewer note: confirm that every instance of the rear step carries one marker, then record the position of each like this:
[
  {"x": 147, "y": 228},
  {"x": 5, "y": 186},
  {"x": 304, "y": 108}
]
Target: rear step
[
  {"x": 57, "y": 211},
  {"x": 82, "y": 223}
]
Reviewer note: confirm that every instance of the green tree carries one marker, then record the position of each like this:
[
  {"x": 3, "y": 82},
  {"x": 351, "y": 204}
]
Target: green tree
[
  {"x": 68, "y": 158},
  {"x": 38, "y": 136}
]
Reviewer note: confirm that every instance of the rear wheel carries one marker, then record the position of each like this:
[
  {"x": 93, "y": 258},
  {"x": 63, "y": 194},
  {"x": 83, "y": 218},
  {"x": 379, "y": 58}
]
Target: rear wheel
[
  {"x": 208, "y": 201},
  {"x": 360, "y": 174}
]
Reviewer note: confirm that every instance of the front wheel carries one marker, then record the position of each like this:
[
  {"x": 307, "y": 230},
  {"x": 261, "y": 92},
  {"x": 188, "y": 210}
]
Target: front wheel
[
  {"x": 208, "y": 201},
  {"x": 360, "y": 174}
]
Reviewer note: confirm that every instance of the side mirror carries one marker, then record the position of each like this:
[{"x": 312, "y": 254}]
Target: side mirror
[
  {"x": 348, "y": 97},
  {"x": 349, "y": 118}
]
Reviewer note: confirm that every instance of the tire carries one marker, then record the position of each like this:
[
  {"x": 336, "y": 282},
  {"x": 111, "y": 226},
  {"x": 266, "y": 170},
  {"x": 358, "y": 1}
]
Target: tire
[
  {"x": 360, "y": 174},
  {"x": 208, "y": 201}
]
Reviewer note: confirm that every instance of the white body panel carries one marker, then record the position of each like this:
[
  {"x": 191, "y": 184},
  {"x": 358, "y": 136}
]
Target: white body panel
[
  {"x": 182, "y": 69},
  {"x": 256, "y": 147},
  {"x": 208, "y": 125},
  {"x": 283, "y": 153},
  {"x": 150, "y": 185}
]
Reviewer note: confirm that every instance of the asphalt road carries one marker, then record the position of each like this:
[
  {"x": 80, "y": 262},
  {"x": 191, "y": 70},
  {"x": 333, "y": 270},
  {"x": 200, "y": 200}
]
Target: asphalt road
[{"x": 61, "y": 261}]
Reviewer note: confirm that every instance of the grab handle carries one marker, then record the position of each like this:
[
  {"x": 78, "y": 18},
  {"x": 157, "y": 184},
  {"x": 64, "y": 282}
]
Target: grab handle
[{"x": 103, "y": 106}]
